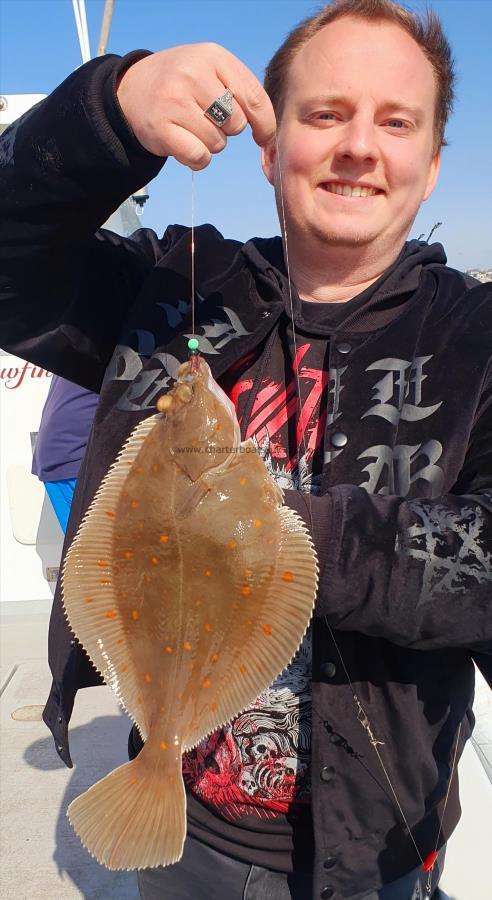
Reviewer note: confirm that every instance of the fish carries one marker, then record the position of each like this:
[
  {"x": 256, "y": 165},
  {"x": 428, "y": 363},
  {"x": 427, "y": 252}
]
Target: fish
[{"x": 190, "y": 586}]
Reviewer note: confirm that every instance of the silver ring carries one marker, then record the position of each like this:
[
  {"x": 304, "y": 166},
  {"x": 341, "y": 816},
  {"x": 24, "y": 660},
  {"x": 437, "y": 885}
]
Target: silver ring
[{"x": 221, "y": 109}]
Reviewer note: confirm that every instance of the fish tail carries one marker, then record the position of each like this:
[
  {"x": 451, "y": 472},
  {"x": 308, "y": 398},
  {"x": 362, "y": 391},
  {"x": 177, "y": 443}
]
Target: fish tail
[{"x": 135, "y": 817}]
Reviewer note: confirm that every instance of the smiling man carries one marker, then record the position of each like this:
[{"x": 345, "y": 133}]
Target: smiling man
[
  {"x": 360, "y": 149},
  {"x": 359, "y": 364}
]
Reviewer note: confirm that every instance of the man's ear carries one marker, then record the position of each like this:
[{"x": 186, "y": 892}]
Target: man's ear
[
  {"x": 433, "y": 175},
  {"x": 268, "y": 160}
]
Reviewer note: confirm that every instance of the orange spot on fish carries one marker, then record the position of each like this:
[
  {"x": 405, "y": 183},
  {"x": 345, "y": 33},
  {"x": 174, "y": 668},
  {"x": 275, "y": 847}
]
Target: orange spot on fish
[
  {"x": 208, "y": 627},
  {"x": 287, "y": 576},
  {"x": 163, "y": 538},
  {"x": 208, "y": 572},
  {"x": 245, "y": 590},
  {"x": 88, "y": 599},
  {"x": 154, "y": 560},
  {"x": 213, "y": 707},
  {"x": 267, "y": 629},
  {"x": 132, "y": 781},
  {"x": 257, "y": 523},
  {"x": 124, "y": 668},
  {"x": 102, "y": 563},
  {"x": 168, "y": 649},
  {"x": 120, "y": 641},
  {"x": 163, "y": 745},
  {"x": 215, "y": 657},
  {"x": 232, "y": 545},
  {"x": 135, "y": 615},
  {"x": 206, "y": 683},
  {"x": 110, "y": 514},
  {"x": 218, "y": 426},
  {"x": 148, "y": 678},
  {"x": 243, "y": 670},
  {"x": 155, "y": 467},
  {"x": 242, "y": 482},
  {"x": 134, "y": 504},
  {"x": 128, "y": 554},
  {"x": 187, "y": 645},
  {"x": 110, "y": 614}
]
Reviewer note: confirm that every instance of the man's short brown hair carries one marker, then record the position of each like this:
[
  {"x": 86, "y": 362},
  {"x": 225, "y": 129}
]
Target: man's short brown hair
[{"x": 426, "y": 30}]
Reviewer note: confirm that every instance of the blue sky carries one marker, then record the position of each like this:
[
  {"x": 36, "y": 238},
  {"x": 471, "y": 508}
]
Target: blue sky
[{"x": 39, "y": 47}]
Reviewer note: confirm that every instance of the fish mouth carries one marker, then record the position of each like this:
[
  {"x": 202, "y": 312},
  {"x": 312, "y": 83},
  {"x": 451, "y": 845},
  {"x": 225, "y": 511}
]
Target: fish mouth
[
  {"x": 180, "y": 394},
  {"x": 190, "y": 373},
  {"x": 192, "y": 369}
]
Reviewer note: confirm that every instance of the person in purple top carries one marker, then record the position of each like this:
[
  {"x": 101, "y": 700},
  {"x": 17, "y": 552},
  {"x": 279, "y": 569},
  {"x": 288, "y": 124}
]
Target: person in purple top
[{"x": 63, "y": 433}]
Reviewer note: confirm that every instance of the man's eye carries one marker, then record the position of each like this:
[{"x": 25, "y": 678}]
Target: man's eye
[
  {"x": 326, "y": 115},
  {"x": 397, "y": 123}
]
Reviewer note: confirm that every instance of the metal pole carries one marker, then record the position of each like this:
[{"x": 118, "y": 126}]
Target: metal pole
[{"x": 105, "y": 27}]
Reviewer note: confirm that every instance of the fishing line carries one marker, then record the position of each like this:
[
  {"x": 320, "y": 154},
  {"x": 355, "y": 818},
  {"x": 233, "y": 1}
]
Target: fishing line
[
  {"x": 362, "y": 717},
  {"x": 429, "y": 862},
  {"x": 192, "y": 253}
]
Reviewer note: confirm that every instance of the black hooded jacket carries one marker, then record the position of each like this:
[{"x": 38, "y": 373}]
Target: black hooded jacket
[{"x": 402, "y": 521}]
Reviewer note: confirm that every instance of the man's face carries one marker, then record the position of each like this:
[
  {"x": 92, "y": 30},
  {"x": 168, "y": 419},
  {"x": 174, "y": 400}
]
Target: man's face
[{"x": 356, "y": 137}]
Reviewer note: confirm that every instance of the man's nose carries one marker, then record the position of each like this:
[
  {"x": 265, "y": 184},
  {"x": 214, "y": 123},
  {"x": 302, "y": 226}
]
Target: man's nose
[{"x": 359, "y": 140}]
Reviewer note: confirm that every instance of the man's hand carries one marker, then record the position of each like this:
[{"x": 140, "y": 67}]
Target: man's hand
[{"x": 164, "y": 97}]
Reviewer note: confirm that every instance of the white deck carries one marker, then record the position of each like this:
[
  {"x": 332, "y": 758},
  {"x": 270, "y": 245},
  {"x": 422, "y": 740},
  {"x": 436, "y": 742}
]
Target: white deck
[{"x": 41, "y": 856}]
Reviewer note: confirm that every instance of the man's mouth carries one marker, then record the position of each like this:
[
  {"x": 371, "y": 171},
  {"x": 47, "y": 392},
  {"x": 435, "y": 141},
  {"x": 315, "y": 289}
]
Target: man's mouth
[{"x": 348, "y": 190}]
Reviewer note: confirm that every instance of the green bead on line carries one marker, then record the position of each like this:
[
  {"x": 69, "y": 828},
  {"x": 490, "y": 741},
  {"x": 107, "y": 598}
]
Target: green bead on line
[{"x": 193, "y": 344}]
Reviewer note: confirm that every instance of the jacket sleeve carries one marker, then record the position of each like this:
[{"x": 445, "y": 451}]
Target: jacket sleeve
[
  {"x": 65, "y": 166},
  {"x": 417, "y": 572}
]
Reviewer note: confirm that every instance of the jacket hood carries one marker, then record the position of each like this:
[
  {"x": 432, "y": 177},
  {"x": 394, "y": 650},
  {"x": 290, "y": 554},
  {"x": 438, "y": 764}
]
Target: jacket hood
[{"x": 374, "y": 307}]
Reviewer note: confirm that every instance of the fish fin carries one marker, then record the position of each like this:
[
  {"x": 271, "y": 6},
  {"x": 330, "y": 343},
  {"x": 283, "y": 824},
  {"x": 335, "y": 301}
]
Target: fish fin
[
  {"x": 135, "y": 817},
  {"x": 280, "y": 620},
  {"x": 88, "y": 592}
]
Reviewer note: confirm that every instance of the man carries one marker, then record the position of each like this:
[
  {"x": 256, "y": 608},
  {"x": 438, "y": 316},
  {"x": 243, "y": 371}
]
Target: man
[{"x": 365, "y": 380}]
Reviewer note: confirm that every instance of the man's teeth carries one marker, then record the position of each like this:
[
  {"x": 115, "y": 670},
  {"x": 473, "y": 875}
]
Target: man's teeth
[{"x": 346, "y": 191}]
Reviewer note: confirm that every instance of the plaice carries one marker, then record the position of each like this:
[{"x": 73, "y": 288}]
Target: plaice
[{"x": 191, "y": 587}]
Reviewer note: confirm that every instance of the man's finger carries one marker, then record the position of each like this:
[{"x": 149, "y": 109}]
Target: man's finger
[
  {"x": 251, "y": 96},
  {"x": 186, "y": 148},
  {"x": 234, "y": 124}
]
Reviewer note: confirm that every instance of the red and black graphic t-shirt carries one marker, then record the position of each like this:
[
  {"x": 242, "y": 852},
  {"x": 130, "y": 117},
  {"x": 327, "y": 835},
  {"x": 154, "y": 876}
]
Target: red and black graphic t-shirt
[{"x": 249, "y": 784}]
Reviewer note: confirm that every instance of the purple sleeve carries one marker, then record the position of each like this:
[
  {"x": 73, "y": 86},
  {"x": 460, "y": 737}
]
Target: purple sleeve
[{"x": 64, "y": 429}]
